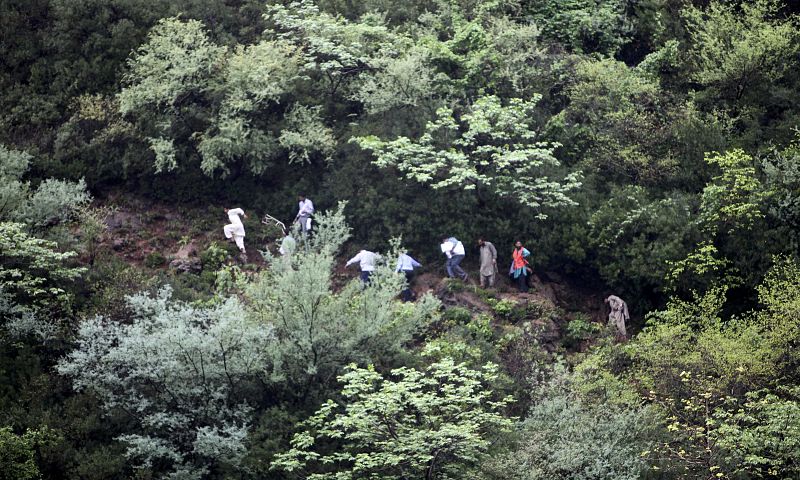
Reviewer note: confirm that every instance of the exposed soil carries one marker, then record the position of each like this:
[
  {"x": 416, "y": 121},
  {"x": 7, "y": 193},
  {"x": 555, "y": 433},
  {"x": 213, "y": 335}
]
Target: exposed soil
[{"x": 156, "y": 235}]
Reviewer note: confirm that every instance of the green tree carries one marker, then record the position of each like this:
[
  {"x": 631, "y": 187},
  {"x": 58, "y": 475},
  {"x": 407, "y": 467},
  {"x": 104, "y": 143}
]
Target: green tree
[
  {"x": 490, "y": 148},
  {"x": 31, "y": 269},
  {"x": 18, "y": 454},
  {"x": 53, "y": 202},
  {"x": 744, "y": 56},
  {"x": 760, "y": 438},
  {"x": 565, "y": 437},
  {"x": 181, "y": 374},
  {"x": 584, "y": 26},
  {"x": 231, "y": 106},
  {"x": 435, "y": 423},
  {"x": 319, "y": 331}
]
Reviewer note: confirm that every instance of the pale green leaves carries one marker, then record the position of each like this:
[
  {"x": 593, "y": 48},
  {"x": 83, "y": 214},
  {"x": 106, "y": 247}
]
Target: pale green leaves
[
  {"x": 319, "y": 331},
  {"x": 735, "y": 47},
  {"x": 177, "y": 59},
  {"x": 305, "y": 133},
  {"x": 180, "y": 371},
  {"x": 429, "y": 423},
  {"x": 405, "y": 81},
  {"x": 331, "y": 45},
  {"x": 229, "y": 100},
  {"x": 53, "y": 202},
  {"x": 491, "y": 147},
  {"x": 32, "y": 268},
  {"x": 733, "y": 199}
]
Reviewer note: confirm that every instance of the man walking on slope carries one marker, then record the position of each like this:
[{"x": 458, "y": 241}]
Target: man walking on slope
[
  {"x": 455, "y": 254},
  {"x": 304, "y": 212},
  {"x": 488, "y": 263},
  {"x": 235, "y": 229},
  {"x": 618, "y": 314},
  {"x": 366, "y": 261},
  {"x": 406, "y": 265}
]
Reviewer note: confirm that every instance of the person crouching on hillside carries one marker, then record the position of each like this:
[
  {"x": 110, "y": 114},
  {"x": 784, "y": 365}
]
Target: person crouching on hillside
[
  {"x": 519, "y": 266},
  {"x": 366, "y": 261},
  {"x": 406, "y": 265},
  {"x": 235, "y": 229},
  {"x": 455, "y": 254}
]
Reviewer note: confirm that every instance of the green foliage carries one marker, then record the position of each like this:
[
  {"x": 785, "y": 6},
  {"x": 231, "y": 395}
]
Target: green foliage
[
  {"x": 635, "y": 238},
  {"x": 34, "y": 275},
  {"x": 52, "y": 202},
  {"x": 736, "y": 49},
  {"x": 320, "y": 331},
  {"x": 435, "y": 423},
  {"x": 478, "y": 111},
  {"x": 17, "y": 454},
  {"x": 759, "y": 439},
  {"x": 566, "y": 437},
  {"x": 181, "y": 373},
  {"x": 491, "y": 147},
  {"x": 509, "y": 310},
  {"x": 231, "y": 94},
  {"x": 154, "y": 260},
  {"x": 629, "y": 128},
  {"x": 213, "y": 257},
  {"x": 456, "y": 316},
  {"x": 584, "y": 25},
  {"x": 580, "y": 329},
  {"x": 733, "y": 199}
]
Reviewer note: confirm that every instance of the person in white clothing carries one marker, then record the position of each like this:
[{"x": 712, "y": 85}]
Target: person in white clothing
[
  {"x": 235, "y": 229},
  {"x": 304, "y": 212},
  {"x": 366, "y": 261},
  {"x": 454, "y": 250}
]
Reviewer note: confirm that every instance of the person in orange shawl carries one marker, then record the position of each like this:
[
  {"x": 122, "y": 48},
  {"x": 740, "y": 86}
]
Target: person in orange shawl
[{"x": 519, "y": 266}]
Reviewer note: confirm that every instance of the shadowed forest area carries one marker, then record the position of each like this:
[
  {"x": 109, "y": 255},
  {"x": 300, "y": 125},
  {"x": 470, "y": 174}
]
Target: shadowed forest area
[{"x": 648, "y": 149}]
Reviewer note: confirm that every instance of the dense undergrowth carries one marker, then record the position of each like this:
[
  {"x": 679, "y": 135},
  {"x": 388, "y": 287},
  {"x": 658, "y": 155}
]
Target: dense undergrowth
[{"x": 645, "y": 148}]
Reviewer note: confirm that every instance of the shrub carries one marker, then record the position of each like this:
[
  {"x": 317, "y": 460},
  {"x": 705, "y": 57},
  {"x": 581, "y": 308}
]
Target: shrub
[
  {"x": 455, "y": 316},
  {"x": 509, "y": 310},
  {"x": 565, "y": 438},
  {"x": 154, "y": 260},
  {"x": 441, "y": 419},
  {"x": 580, "y": 329},
  {"x": 182, "y": 372},
  {"x": 213, "y": 257}
]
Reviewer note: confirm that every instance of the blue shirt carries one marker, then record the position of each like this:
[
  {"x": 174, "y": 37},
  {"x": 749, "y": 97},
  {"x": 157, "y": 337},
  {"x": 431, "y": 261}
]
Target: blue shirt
[{"x": 406, "y": 264}]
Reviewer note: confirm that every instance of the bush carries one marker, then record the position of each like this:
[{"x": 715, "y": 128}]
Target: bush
[
  {"x": 154, "y": 260},
  {"x": 441, "y": 419},
  {"x": 580, "y": 329},
  {"x": 455, "y": 316},
  {"x": 213, "y": 257},
  {"x": 565, "y": 438},
  {"x": 509, "y": 310}
]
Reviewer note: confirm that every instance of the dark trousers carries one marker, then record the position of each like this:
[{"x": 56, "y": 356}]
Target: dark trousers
[
  {"x": 365, "y": 277},
  {"x": 407, "y": 294},
  {"x": 522, "y": 282}
]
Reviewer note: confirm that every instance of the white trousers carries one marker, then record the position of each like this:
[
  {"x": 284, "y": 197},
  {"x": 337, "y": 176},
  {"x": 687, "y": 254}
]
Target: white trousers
[{"x": 233, "y": 231}]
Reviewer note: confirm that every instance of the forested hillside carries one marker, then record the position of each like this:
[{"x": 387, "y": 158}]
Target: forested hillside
[{"x": 648, "y": 149}]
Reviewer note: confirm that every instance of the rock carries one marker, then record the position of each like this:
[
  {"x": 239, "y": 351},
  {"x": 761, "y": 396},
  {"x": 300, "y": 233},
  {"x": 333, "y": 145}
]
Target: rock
[
  {"x": 119, "y": 244},
  {"x": 186, "y": 265},
  {"x": 186, "y": 251}
]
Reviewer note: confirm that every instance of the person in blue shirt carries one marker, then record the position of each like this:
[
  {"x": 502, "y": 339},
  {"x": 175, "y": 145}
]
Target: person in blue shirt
[
  {"x": 519, "y": 266},
  {"x": 406, "y": 266}
]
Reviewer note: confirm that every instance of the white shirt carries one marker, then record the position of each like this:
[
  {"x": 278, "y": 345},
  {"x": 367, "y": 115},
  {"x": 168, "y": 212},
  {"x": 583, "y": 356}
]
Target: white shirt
[
  {"x": 306, "y": 207},
  {"x": 366, "y": 260},
  {"x": 233, "y": 216},
  {"x": 450, "y": 249}
]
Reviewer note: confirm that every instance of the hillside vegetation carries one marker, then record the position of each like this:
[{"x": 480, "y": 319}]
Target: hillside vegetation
[{"x": 644, "y": 148}]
